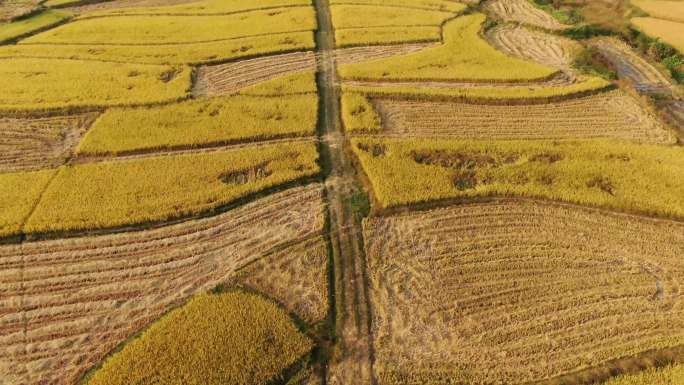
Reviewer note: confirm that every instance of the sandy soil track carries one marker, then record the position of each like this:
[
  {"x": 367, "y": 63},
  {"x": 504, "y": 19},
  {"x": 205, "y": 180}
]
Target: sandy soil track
[
  {"x": 31, "y": 144},
  {"x": 65, "y": 304},
  {"x": 630, "y": 66},
  {"x": 609, "y": 115},
  {"x": 512, "y": 291}
]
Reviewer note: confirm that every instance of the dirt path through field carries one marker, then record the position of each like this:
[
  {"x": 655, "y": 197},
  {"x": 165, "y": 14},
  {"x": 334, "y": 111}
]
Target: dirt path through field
[{"x": 351, "y": 362}]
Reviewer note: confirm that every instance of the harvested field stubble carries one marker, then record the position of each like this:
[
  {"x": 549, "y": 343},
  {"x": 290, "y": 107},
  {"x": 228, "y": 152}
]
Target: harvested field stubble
[
  {"x": 11, "y": 9},
  {"x": 66, "y": 303},
  {"x": 614, "y": 174},
  {"x": 228, "y": 78},
  {"x": 228, "y": 338},
  {"x": 608, "y": 115},
  {"x": 543, "y": 48},
  {"x": 159, "y": 188},
  {"x": 31, "y": 144},
  {"x": 295, "y": 276},
  {"x": 522, "y": 11},
  {"x": 361, "y": 54},
  {"x": 513, "y": 292}
]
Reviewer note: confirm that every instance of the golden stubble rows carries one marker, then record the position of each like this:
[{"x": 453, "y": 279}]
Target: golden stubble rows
[
  {"x": 66, "y": 303},
  {"x": 512, "y": 291}
]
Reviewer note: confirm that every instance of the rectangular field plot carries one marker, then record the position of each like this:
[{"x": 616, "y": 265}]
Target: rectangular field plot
[
  {"x": 151, "y": 30},
  {"x": 202, "y": 122},
  {"x": 608, "y": 115},
  {"x": 67, "y": 303},
  {"x": 193, "y": 7},
  {"x": 669, "y": 32},
  {"x": 515, "y": 292},
  {"x": 615, "y": 174},
  {"x": 39, "y": 84},
  {"x": 187, "y": 53},
  {"x": 157, "y": 188},
  {"x": 19, "y": 194},
  {"x": 14, "y": 30}
]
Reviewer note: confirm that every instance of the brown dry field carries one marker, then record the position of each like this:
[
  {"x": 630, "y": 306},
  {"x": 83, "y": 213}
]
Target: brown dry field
[
  {"x": 66, "y": 303},
  {"x": 359, "y": 54},
  {"x": 543, "y": 48},
  {"x": 631, "y": 67},
  {"x": 511, "y": 291},
  {"x": 32, "y": 144},
  {"x": 607, "y": 115},
  {"x": 521, "y": 11},
  {"x": 222, "y": 79},
  {"x": 10, "y": 9}
]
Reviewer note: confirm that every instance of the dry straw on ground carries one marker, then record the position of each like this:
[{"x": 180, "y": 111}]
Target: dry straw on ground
[
  {"x": 519, "y": 291},
  {"x": 66, "y": 303}
]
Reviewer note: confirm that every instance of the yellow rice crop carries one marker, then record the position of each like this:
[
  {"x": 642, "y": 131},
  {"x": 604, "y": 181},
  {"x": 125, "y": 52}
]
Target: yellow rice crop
[
  {"x": 35, "y": 84},
  {"x": 662, "y": 9},
  {"x": 671, "y": 32},
  {"x": 151, "y": 30},
  {"x": 435, "y": 5},
  {"x": 299, "y": 83},
  {"x": 347, "y": 16},
  {"x": 618, "y": 175},
  {"x": 463, "y": 56},
  {"x": 669, "y": 375},
  {"x": 386, "y": 35},
  {"x": 230, "y": 338},
  {"x": 202, "y": 122},
  {"x": 118, "y": 193},
  {"x": 205, "y": 7},
  {"x": 19, "y": 193},
  {"x": 22, "y": 27},
  {"x": 358, "y": 114},
  {"x": 191, "y": 53}
]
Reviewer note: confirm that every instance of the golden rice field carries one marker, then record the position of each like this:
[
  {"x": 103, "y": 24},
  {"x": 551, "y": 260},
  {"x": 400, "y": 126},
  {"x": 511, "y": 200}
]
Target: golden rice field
[
  {"x": 147, "y": 189},
  {"x": 201, "y": 122},
  {"x": 35, "y": 143},
  {"x": 390, "y": 22},
  {"x": 519, "y": 291},
  {"x": 153, "y": 30},
  {"x": 359, "y": 115},
  {"x": 44, "y": 84},
  {"x": 464, "y": 55},
  {"x": 612, "y": 174},
  {"x": 43, "y": 20},
  {"x": 296, "y": 84},
  {"x": 72, "y": 321},
  {"x": 230, "y": 338},
  {"x": 612, "y": 114},
  {"x": 669, "y": 375},
  {"x": 668, "y": 31},
  {"x": 19, "y": 193},
  {"x": 193, "y": 7},
  {"x": 367, "y": 53}
]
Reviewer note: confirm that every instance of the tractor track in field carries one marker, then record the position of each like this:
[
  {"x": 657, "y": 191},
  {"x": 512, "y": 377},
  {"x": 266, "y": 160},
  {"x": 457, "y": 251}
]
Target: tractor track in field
[{"x": 351, "y": 362}]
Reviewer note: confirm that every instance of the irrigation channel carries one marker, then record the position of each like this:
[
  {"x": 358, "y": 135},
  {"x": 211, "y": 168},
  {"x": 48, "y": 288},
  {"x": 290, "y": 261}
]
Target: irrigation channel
[{"x": 351, "y": 359}]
